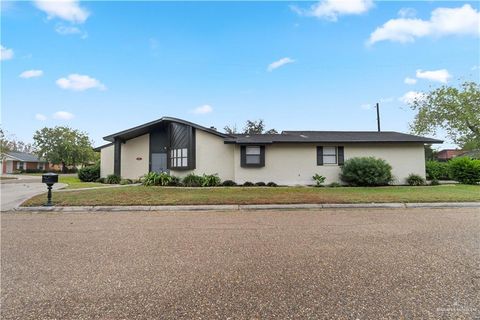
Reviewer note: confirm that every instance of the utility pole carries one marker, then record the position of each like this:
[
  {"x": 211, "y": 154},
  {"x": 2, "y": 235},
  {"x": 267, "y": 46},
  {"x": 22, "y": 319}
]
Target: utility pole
[{"x": 378, "y": 117}]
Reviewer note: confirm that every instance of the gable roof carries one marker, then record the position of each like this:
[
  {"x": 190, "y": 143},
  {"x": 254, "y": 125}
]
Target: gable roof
[
  {"x": 23, "y": 156},
  {"x": 145, "y": 128},
  {"x": 329, "y": 137},
  {"x": 284, "y": 137}
]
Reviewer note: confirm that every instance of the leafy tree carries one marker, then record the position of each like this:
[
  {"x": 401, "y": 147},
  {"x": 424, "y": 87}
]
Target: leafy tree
[
  {"x": 64, "y": 145},
  {"x": 251, "y": 127},
  {"x": 12, "y": 144},
  {"x": 457, "y": 111}
]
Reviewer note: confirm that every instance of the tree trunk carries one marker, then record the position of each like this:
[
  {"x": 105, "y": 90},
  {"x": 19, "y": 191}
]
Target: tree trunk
[{"x": 64, "y": 167}]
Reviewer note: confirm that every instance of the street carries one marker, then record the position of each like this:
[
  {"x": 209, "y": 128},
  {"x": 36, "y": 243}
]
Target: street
[{"x": 330, "y": 263}]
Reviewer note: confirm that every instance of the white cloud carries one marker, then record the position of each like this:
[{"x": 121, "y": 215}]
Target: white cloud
[
  {"x": 69, "y": 30},
  {"x": 277, "y": 64},
  {"x": 40, "y": 117},
  {"x": 410, "y": 97},
  {"x": 203, "y": 109},
  {"x": 410, "y": 81},
  {"x": 5, "y": 54},
  {"x": 475, "y": 68},
  {"x": 78, "y": 82},
  {"x": 366, "y": 106},
  {"x": 463, "y": 20},
  {"x": 332, "y": 9},
  {"x": 63, "y": 115},
  {"x": 31, "y": 74},
  {"x": 407, "y": 13},
  {"x": 64, "y": 9},
  {"x": 441, "y": 75}
]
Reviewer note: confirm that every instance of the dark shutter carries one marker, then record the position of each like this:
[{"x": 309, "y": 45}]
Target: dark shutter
[
  {"x": 340, "y": 156},
  {"x": 262, "y": 156},
  {"x": 319, "y": 156},
  {"x": 243, "y": 156}
]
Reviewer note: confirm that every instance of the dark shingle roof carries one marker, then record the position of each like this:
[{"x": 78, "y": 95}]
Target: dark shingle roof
[
  {"x": 23, "y": 156},
  {"x": 328, "y": 137}
]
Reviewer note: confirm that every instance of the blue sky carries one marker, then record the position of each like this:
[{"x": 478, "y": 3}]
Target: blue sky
[{"x": 102, "y": 67}]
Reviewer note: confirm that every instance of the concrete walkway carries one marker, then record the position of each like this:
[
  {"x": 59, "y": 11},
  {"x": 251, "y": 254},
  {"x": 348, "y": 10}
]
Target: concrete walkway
[
  {"x": 236, "y": 207},
  {"x": 15, "y": 191}
]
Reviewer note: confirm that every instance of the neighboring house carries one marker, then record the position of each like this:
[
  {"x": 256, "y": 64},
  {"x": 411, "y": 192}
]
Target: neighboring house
[
  {"x": 21, "y": 161},
  {"x": 290, "y": 158},
  {"x": 448, "y": 154},
  {"x": 474, "y": 154}
]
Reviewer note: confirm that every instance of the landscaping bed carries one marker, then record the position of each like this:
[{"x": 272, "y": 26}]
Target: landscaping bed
[{"x": 140, "y": 195}]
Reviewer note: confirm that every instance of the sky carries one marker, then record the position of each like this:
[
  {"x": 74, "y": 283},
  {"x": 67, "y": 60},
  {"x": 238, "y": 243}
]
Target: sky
[{"x": 102, "y": 67}]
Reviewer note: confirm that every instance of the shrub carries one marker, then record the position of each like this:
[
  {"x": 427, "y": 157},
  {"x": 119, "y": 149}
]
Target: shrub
[
  {"x": 156, "y": 179},
  {"x": 113, "y": 179},
  {"x": 229, "y": 183},
  {"x": 210, "y": 180},
  {"x": 174, "y": 182},
  {"x": 319, "y": 180},
  {"x": 192, "y": 180},
  {"x": 89, "y": 174},
  {"x": 126, "y": 181},
  {"x": 260, "y": 184},
  {"x": 334, "y": 185},
  {"x": 437, "y": 170},
  {"x": 434, "y": 182},
  {"x": 100, "y": 180},
  {"x": 366, "y": 171},
  {"x": 465, "y": 170},
  {"x": 415, "y": 180},
  {"x": 248, "y": 184},
  {"x": 34, "y": 171},
  {"x": 272, "y": 184}
]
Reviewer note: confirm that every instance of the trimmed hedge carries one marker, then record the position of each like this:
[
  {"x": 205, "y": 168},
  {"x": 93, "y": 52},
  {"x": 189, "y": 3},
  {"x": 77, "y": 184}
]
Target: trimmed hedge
[
  {"x": 89, "y": 174},
  {"x": 436, "y": 170},
  {"x": 465, "y": 170},
  {"x": 366, "y": 171}
]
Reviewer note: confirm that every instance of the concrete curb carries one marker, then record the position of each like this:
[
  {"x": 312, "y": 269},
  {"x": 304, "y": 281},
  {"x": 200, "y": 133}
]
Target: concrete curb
[{"x": 236, "y": 207}]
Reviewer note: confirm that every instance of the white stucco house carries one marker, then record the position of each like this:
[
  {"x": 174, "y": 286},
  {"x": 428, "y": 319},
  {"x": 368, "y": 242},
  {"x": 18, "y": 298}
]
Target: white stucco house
[{"x": 288, "y": 158}]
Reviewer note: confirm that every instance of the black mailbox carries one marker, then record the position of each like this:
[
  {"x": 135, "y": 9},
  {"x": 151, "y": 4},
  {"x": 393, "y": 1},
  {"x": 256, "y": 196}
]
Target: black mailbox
[{"x": 50, "y": 178}]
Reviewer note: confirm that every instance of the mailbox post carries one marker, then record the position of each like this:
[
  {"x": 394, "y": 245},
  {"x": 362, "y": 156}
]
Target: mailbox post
[{"x": 49, "y": 179}]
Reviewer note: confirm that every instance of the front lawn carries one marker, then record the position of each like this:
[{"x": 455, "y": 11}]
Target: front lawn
[
  {"x": 140, "y": 195},
  {"x": 75, "y": 183}
]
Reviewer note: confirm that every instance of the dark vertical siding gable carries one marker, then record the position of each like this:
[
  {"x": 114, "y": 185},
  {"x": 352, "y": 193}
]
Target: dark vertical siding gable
[{"x": 341, "y": 156}]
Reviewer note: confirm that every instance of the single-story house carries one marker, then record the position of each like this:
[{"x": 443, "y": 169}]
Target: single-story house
[
  {"x": 21, "y": 161},
  {"x": 448, "y": 154},
  {"x": 289, "y": 158}
]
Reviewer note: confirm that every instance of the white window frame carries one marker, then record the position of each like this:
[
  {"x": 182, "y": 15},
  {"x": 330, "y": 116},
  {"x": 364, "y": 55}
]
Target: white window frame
[
  {"x": 328, "y": 155},
  {"x": 253, "y": 152},
  {"x": 179, "y": 158}
]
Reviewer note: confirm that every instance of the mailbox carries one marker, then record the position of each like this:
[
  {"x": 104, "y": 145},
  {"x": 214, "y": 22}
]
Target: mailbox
[{"x": 50, "y": 178}]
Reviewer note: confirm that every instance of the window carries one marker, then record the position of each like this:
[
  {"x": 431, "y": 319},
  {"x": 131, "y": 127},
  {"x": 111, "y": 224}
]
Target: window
[
  {"x": 329, "y": 155},
  {"x": 252, "y": 156},
  {"x": 40, "y": 166},
  {"x": 20, "y": 165},
  {"x": 179, "y": 158}
]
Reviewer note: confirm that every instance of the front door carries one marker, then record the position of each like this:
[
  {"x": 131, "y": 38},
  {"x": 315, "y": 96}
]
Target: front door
[{"x": 159, "y": 162}]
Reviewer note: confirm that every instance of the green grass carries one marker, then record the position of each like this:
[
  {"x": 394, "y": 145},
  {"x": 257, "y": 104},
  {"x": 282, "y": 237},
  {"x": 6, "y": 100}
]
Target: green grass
[
  {"x": 7, "y": 178},
  {"x": 75, "y": 183},
  {"x": 140, "y": 195}
]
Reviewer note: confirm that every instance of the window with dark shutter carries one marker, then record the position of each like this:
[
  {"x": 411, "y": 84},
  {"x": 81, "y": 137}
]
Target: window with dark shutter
[
  {"x": 252, "y": 156},
  {"x": 330, "y": 155},
  {"x": 341, "y": 156},
  {"x": 319, "y": 156}
]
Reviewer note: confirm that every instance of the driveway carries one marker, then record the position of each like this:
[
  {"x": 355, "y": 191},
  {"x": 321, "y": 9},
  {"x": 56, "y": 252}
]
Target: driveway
[
  {"x": 15, "y": 191},
  {"x": 331, "y": 264}
]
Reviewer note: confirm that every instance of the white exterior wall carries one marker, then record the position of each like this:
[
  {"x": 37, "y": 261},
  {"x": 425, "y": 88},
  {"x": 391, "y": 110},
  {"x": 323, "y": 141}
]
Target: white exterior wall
[
  {"x": 138, "y": 147},
  {"x": 212, "y": 156},
  {"x": 295, "y": 164},
  {"x": 106, "y": 161}
]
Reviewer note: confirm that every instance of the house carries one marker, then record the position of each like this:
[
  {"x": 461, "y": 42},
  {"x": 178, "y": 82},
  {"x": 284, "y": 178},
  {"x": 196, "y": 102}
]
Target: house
[
  {"x": 21, "y": 161},
  {"x": 289, "y": 158},
  {"x": 448, "y": 154}
]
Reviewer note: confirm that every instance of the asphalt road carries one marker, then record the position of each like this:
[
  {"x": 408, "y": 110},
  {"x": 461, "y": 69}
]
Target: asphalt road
[
  {"x": 15, "y": 191},
  {"x": 331, "y": 264}
]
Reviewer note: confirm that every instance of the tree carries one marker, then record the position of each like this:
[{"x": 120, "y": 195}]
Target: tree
[
  {"x": 64, "y": 145},
  {"x": 12, "y": 144},
  {"x": 457, "y": 111},
  {"x": 251, "y": 127}
]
